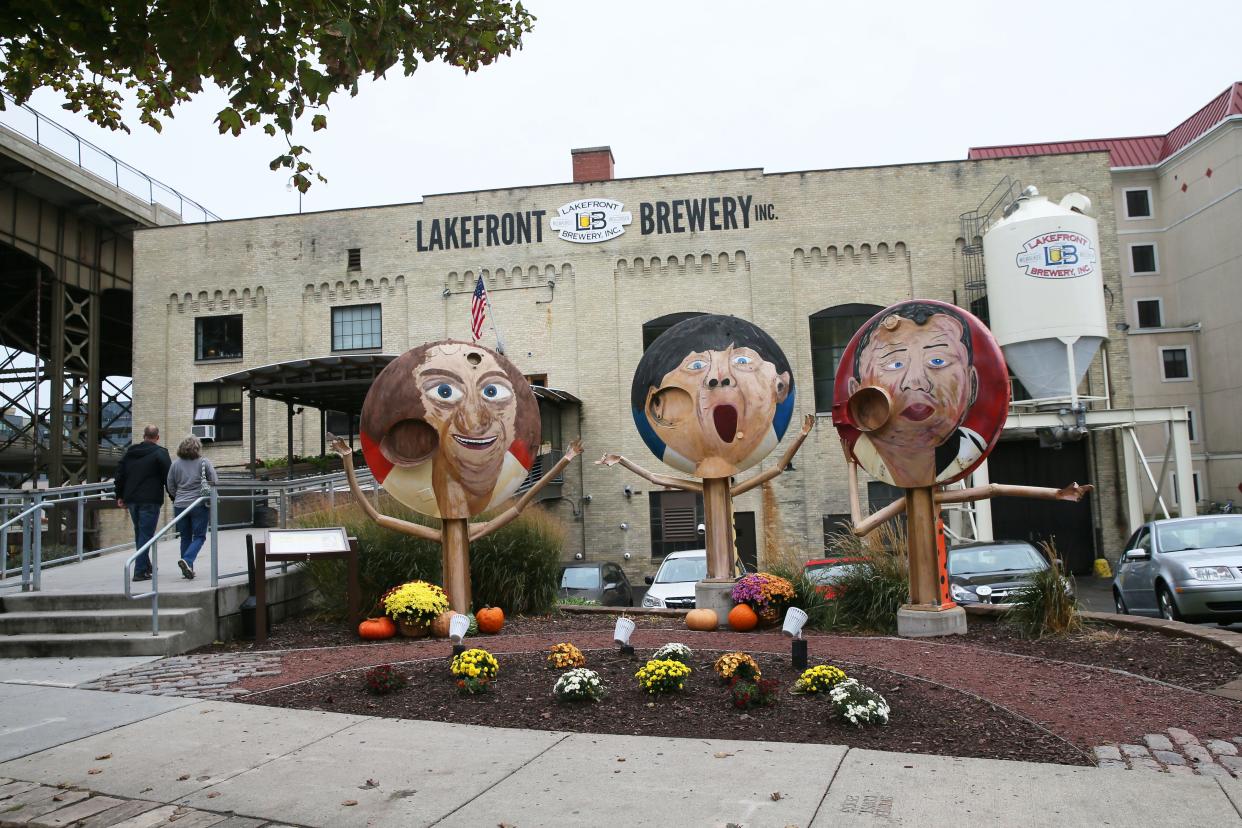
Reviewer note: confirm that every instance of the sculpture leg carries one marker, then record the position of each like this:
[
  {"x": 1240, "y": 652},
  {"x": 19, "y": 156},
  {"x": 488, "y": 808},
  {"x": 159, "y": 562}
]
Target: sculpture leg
[
  {"x": 455, "y": 545},
  {"x": 930, "y": 612},
  {"x": 715, "y": 592}
]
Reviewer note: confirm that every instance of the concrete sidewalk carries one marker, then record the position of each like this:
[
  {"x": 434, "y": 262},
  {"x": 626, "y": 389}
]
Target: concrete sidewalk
[{"x": 232, "y": 765}]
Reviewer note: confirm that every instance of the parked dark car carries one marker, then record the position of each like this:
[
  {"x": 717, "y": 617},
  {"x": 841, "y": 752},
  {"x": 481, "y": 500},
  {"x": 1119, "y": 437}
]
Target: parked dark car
[
  {"x": 600, "y": 581},
  {"x": 989, "y": 572},
  {"x": 826, "y": 573}
]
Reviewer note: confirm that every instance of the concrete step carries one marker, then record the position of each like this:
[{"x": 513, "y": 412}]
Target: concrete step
[
  {"x": 69, "y": 601},
  {"x": 88, "y": 621},
  {"x": 46, "y": 645}
]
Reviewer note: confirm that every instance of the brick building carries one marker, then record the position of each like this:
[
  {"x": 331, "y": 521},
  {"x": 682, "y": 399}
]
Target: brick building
[{"x": 805, "y": 255}]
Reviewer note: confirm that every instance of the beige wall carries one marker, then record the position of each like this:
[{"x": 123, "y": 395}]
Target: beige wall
[
  {"x": 1197, "y": 229},
  {"x": 874, "y": 235}
]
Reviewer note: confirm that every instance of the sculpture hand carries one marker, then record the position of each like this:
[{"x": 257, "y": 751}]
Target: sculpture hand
[
  {"x": 1073, "y": 492},
  {"x": 340, "y": 447},
  {"x": 608, "y": 460},
  {"x": 808, "y": 423},
  {"x": 575, "y": 448}
]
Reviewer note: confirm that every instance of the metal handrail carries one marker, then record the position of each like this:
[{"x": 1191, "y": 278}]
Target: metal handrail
[
  {"x": 117, "y": 164},
  {"x": 154, "y": 594}
]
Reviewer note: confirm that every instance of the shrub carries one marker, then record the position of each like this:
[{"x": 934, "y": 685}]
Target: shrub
[
  {"x": 763, "y": 591},
  {"x": 579, "y": 684},
  {"x": 474, "y": 670},
  {"x": 662, "y": 676},
  {"x": 515, "y": 567},
  {"x": 383, "y": 680},
  {"x": 518, "y": 567},
  {"x": 819, "y": 679},
  {"x": 730, "y": 663},
  {"x": 749, "y": 690},
  {"x": 858, "y": 704},
  {"x": 566, "y": 655},
  {"x": 870, "y": 593},
  {"x": 673, "y": 652},
  {"x": 1046, "y": 606}
]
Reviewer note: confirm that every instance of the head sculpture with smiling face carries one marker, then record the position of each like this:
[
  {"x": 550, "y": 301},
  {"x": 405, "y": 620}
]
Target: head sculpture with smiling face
[
  {"x": 712, "y": 396},
  {"x": 450, "y": 429}
]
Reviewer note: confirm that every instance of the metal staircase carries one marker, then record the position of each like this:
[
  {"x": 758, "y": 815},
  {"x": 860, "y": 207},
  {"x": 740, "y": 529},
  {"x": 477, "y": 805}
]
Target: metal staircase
[{"x": 975, "y": 224}]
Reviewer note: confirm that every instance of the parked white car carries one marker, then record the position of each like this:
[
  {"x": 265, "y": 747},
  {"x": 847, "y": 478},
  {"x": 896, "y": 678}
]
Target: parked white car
[{"x": 673, "y": 584}]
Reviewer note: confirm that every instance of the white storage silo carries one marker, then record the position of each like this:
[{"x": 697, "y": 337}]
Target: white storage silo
[{"x": 1046, "y": 292}]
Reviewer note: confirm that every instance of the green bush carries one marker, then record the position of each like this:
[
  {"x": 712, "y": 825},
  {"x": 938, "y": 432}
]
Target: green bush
[
  {"x": 514, "y": 568},
  {"x": 1046, "y": 606},
  {"x": 870, "y": 594},
  {"x": 819, "y": 612}
]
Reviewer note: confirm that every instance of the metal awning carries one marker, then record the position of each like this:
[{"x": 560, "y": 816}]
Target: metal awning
[{"x": 336, "y": 383}]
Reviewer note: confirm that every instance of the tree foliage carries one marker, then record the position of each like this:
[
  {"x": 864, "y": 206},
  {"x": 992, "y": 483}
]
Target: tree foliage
[{"x": 276, "y": 59}]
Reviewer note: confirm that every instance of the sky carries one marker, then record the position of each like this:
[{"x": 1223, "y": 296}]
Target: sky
[{"x": 681, "y": 86}]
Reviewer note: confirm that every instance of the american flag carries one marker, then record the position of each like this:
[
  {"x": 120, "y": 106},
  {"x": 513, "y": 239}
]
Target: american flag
[{"x": 478, "y": 309}]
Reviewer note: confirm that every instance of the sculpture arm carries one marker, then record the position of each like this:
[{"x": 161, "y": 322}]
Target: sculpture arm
[
  {"x": 416, "y": 529},
  {"x": 763, "y": 477},
  {"x": 1071, "y": 493},
  {"x": 873, "y": 521},
  {"x": 478, "y": 530},
  {"x": 658, "y": 479}
]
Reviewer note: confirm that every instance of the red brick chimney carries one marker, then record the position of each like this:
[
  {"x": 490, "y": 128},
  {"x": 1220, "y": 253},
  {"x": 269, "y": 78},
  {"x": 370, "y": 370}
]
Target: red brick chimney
[{"x": 592, "y": 164}]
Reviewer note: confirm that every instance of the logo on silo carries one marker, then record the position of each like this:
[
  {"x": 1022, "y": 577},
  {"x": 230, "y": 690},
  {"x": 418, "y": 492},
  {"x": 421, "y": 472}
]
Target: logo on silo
[
  {"x": 1059, "y": 255},
  {"x": 590, "y": 220}
]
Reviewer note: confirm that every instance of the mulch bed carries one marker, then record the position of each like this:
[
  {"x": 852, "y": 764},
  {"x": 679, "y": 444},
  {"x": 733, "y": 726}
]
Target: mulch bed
[{"x": 926, "y": 718}]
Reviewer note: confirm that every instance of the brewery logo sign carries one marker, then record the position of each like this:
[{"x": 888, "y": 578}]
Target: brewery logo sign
[
  {"x": 590, "y": 220},
  {"x": 1061, "y": 254}
]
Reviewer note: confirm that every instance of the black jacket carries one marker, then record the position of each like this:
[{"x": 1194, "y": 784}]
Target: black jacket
[{"x": 141, "y": 474}]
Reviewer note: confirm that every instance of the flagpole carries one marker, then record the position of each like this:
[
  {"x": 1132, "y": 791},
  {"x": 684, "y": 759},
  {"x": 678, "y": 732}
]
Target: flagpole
[{"x": 491, "y": 315}]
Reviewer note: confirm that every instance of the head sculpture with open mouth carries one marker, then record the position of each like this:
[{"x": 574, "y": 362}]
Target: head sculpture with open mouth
[
  {"x": 450, "y": 429},
  {"x": 712, "y": 396}
]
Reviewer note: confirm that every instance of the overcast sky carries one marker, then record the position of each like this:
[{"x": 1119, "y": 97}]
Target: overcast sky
[{"x": 687, "y": 86}]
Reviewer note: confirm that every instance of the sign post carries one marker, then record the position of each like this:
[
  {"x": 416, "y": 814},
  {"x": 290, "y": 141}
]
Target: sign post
[{"x": 303, "y": 545}]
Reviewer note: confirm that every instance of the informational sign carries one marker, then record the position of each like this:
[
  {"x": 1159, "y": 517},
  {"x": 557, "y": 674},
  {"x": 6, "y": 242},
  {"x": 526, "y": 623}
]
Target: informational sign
[
  {"x": 590, "y": 220},
  {"x": 307, "y": 541},
  {"x": 1063, "y": 254}
]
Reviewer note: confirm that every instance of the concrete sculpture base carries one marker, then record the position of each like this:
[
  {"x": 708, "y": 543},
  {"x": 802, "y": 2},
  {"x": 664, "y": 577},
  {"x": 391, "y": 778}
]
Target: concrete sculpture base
[
  {"x": 715, "y": 595},
  {"x": 915, "y": 621}
]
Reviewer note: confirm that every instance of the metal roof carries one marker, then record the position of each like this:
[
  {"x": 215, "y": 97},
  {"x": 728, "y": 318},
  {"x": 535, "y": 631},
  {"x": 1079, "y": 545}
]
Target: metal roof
[
  {"x": 335, "y": 383},
  {"x": 1141, "y": 151}
]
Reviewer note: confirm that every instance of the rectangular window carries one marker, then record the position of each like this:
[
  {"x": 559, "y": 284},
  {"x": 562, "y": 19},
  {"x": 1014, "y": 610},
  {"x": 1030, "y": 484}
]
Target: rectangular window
[
  {"x": 1138, "y": 203},
  {"x": 1175, "y": 364},
  {"x": 217, "y": 337},
  {"x": 1143, "y": 259},
  {"x": 354, "y": 259},
  {"x": 1194, "y": 484},
  {"x": 341, "y": 424},
  {"x": 1149, "y": 313},
  {"x": 221, "y": 406},
  {"x": 1190, "y": 425},
  {"x": 356, "y": 327},
  {"x": 675, "y": 519}
]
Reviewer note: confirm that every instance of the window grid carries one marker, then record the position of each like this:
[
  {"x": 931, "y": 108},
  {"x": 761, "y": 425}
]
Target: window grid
[
  {"x": 1143, "y": 259},
  {"x": 217, "y": 337},
  {"x": 1175, "y": 364},
  {"x": 356, "y": 327},
  {"x": 1150, "y": 313},
  {"x": 1138, "y": 203}
]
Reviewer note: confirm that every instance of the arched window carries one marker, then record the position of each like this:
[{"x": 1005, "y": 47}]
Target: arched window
[
  {"x": 655, "y": 327},
  {"x": 831, "y": 331}
]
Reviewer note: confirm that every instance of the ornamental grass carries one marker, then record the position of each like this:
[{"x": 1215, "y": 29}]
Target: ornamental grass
[
  {"x": 1046, "y": 606},
  {"x": 663, "y": 676}
]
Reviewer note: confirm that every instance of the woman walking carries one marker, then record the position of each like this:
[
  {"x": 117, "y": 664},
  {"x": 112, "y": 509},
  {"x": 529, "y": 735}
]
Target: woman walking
[{"x": 188, "y": 476}]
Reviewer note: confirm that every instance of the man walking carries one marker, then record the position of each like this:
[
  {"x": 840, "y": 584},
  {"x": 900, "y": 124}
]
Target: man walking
[{"x": 140, "y": 478}]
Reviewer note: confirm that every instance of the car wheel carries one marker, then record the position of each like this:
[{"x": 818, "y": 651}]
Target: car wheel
[
  {"x": 1119, "y": 603},
  {"x": 1168, "y": 607}
]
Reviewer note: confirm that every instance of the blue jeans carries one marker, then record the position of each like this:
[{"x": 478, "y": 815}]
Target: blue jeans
[
  {"x": 193, "y": 530},
  {"x": 145, "y": 516}
]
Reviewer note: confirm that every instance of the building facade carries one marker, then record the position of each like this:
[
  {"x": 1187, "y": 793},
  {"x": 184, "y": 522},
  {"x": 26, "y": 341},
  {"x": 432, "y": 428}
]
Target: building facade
[
  {"x": 1179, "y": 232},
  {"x": 807, "y": 256}
]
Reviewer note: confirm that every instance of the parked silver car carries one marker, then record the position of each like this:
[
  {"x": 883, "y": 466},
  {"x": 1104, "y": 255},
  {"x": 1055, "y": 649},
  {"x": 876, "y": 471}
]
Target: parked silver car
[{"x": 1184, "y": 569}]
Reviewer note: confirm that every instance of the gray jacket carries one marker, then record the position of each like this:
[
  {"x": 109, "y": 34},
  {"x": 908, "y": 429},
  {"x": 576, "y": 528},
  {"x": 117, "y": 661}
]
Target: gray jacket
[{"x": 185, "y": 479}]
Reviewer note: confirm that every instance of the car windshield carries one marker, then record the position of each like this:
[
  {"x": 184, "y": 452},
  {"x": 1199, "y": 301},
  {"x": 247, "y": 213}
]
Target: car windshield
[
  {"x": 675, "y": 570},
  {"x": 829, "y": 574},
  {"x": 580, "y": 577},
  {"x": 1008, "y": 558},
  {"x": 1200, "y": 533}
]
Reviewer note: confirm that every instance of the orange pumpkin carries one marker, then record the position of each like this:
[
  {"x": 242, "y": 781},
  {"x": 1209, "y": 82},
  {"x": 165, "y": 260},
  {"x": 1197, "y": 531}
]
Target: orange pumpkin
[
  {"x": 440, "y": 627},
  {"x": 490, "y": 619},
  {"x": 376, "y": 628},
  {"x": 742, "y": 618},
  {"x": 702, "y": 620}
]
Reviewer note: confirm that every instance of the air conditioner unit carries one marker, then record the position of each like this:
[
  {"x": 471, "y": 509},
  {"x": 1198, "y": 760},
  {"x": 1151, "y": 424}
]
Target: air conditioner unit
[{"x": 203, "y": 432}]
